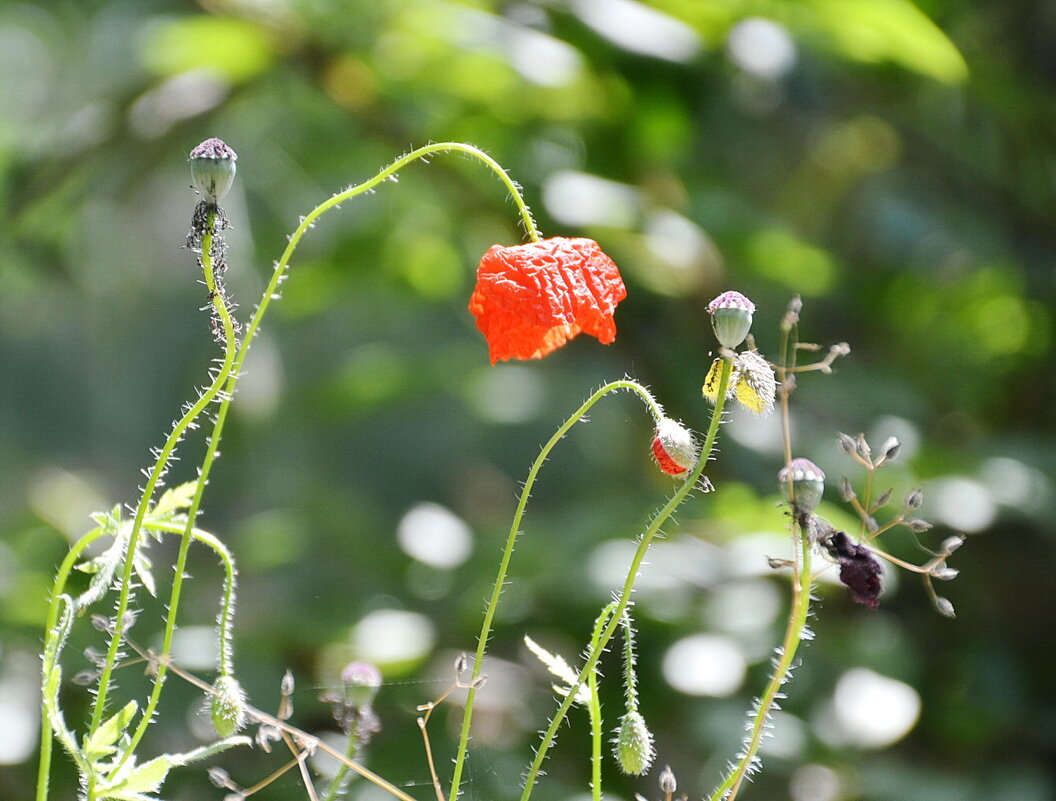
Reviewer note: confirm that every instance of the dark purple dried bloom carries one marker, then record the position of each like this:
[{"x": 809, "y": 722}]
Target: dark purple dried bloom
[{"x": 859, "y": 569}]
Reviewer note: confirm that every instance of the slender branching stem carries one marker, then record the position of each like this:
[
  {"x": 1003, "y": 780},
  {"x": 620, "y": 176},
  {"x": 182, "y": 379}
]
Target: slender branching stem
[
  {"x": 797, "y": 623},
  {"x": 624, "y": 599},
  {"x": 224, "y": 376},
  {"x": 594, "y": 708},
  {"x": 160, "y": 466},
  {"x": 225, "y": 380},
  {"x": 507, "y": 554}
]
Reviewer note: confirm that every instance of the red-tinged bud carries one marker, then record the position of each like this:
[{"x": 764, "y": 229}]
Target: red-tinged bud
[{"x": 675, "y": 450}]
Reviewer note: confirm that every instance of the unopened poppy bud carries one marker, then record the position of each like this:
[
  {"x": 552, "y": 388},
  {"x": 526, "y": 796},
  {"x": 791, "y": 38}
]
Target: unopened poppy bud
[
  {"x": 362, "y": 680},
  {"x": 731, "y": 318},
  {"x": 944, "y": 606},
  {"x": 634, "y": 744},
  {"x": 915, "y": 499},
  {"x": 675, "y": 450},
  {"x": 803, "y": 483},
  {"x": 213, "y": 169},
  {"x": 228, "y": 707}
]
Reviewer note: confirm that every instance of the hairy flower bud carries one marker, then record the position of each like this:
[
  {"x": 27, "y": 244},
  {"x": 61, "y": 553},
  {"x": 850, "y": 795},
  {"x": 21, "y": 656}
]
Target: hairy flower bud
[
  {"x": 803, "y": 483},
  {"x": 731, "y": 318},
  {"x": 228, "y": 707},
  {"x": 213, "y": 169},
  {"x": 634, "y": 744},
  {"x": 675, "y": 450}
]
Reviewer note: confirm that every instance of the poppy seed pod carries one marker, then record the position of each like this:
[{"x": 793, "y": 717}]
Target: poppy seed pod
[
  {"x": 803, "y": 484},
  {"x": 213, "y": 169},
  {"x": 731, "y": 318},
  {"x": 361, "y": 680},
  {"x": 675, "y": 450}
]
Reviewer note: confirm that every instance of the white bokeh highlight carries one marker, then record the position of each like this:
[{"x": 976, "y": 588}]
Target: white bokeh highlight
[
  {"x": 705, "y": 664},
  {"x": 435, "y": 536}
]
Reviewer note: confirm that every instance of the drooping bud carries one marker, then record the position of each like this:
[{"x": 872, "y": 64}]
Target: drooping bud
[
  {"x": 633, "y": 744},
  {"x": 803, "y": 483},
  {"x": 675, "y": 450},
  {"x": 361, "y": 680},
  {"x": 731, "y": 318},
  {"x": 213, "y": 169},
  {"x": 228, "y": 707}
]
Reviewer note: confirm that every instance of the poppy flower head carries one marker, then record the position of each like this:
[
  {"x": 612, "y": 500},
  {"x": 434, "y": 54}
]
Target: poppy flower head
[{"x": 531, "y": 299}]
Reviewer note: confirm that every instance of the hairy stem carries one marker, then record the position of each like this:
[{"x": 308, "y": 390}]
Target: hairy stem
[
  {"x": 178, "y": 430},
  {"x": 507, "y": 555},
  {"x": 624, "y": 598},
  {"x": 797, "y": 623},
  {"x": 225, "y": 376}
]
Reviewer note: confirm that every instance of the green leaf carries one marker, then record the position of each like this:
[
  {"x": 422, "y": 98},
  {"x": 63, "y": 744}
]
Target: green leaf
[
  {"x": 142, "y": 565},
  {"x": 207, "y": 751},
  {"x": 101, "y": 742},
  {"x": 147, "y": 778},
  {"x": 174, "y": 499},
  {"x": 557, "y": 665}
]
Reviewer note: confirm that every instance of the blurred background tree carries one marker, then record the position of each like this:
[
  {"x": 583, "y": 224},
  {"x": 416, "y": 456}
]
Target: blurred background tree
[{"x": 891, "y": 162}]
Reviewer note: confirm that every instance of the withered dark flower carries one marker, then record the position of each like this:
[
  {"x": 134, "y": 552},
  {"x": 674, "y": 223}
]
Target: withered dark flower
[{"x": 859, "y": 569}]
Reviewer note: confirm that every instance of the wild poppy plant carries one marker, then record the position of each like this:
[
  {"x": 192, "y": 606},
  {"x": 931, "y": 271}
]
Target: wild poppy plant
[{"x": 531, "y": 299}]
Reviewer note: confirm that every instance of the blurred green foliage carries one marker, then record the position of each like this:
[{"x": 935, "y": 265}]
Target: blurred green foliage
[{"x": 892, "y": 162}]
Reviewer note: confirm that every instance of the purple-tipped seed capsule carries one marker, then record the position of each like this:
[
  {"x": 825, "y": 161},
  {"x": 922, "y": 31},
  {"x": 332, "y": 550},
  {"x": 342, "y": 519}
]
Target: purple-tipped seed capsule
[{"x": 213, "y": 169}]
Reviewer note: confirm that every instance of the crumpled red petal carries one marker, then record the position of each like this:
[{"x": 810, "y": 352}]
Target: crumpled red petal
[{"x": 531, "y": 299}]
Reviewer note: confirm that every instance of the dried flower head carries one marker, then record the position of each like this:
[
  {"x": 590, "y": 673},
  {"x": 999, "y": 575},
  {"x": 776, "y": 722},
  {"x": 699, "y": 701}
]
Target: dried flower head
[
  {"x": 803, "y": 483},
  {"x": 731, "y": 318},
  {"x": 756, "y": 386},
  {"x": 213, "y": 169},
  {"x": 752, "y": 382},
  {"x": 675, "y": 450},
  {"x": 859, "y": 570},
  {"x": 531, "y": 299}
]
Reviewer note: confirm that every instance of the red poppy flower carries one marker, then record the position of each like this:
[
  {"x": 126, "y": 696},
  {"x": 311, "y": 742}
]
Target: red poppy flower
[{"x": 531, "y": 299}]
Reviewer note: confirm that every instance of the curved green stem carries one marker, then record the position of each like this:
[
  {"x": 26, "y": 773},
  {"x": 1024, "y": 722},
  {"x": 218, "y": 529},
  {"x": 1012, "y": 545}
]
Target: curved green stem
[
  {"x": 224, "y": 376},
  {"x": 507, "y": 554},
  {"x": 160, "y": 466},
  {"x": 595, "y": 708},
  {"x": 50, "y": 623},
  {"x": 624, "y": 598},
  {"x": 797, "y": 623},
  {"x": 226, "y": 379}
]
